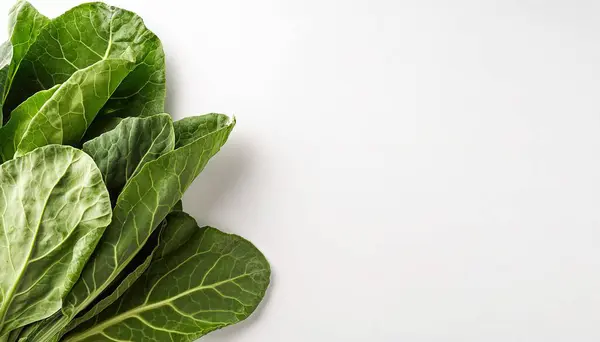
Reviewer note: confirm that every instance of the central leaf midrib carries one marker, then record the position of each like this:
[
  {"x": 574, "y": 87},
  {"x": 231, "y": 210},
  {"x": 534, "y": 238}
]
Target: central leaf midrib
[
  {"x": 135, "y": 312},
  {"x": 110, "y": 32}
]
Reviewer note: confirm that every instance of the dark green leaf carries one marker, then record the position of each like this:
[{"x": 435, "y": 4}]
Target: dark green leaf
[
  {"x": 212, "y": 281},
  {"x": 175, "y": 231}
]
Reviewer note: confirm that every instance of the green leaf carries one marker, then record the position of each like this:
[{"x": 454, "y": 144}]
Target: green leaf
[
  {"x": 189, "y": 129},
  {"x": 175, "y": 231},
  {"x": 85, "y": 35},
  {"x": 144, "y": 202},
  {"x": 178, "y": 206},
  {"x": 25, "y": 24},
  {"x": 212, "y": 281},
  {"x": 66, "y": 115},
  {"x": 123, "y": 282},
  {"x": 178, "y": 229},
  {"x": 12, "y": 132},
  {"x": 5, "y": 58},
  {"x": 121, "y": 152},
  {"x": 54, "y": 208}
]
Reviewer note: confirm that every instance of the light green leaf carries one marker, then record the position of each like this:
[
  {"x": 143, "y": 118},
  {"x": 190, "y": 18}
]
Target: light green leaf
[
  {"x": 212, "y": 281},
  {"x": 189, "y": 129},
  {"x": 66, "y": 115},
  {"x": 12, "y": 132},
  {"x": 25, "y": 24},
  {"x": 144, "y": 202},
  {"x": 121, "y": 152},
  {"x": 54, "y": 208},
  {"x": 85, "y": 35},
  {"x": 5, "y": 58}
]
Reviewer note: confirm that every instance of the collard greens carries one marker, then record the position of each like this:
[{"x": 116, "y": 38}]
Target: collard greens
[{"x": 95, "y": 245}]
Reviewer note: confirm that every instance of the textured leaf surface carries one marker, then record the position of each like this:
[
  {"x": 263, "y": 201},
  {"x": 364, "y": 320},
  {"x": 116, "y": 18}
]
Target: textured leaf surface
[
  {"x": 25, "y": 24},
  {"x": 175, "y": 231},
  {"x": 188, "y": 130},
  {"x": 54, "y": 208},
  {"x": 67, "y": 114},
  {"x": 86, "y": 35},
  {"x": 128, "y": 277},
  {"x": 144, "y": 202},
  {"x": 121, "y": 152},
  {"x": 212, "y": 281},
  {"x": 12, "y": 132}
]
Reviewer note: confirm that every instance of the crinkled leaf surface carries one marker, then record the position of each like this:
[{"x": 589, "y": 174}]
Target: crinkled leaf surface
[
  {"x": 25, "y": 24},
  {"x": 54, "y": 208},
  {"x": 212, "y": 281},
  {"x": 86, "y": 35},
  {"x": 121, "y": 152},
  {"x": 144, "y": 202}
]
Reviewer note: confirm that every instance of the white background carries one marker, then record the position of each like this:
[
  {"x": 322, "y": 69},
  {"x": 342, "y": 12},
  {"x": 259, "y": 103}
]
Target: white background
[{"x": 421, "y": 170}]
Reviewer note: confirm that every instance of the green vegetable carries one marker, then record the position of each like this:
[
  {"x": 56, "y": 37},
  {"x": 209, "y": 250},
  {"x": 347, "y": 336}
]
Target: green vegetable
[
  {"x": 54, "y": 210},
  {"x": 175, "y": 230},
  {"x": 86, "y": 35},
  {"x": 121, "y": 152},
  {"x": 213, "y": 280},
  {"x": 25, "y": 24},
  {"x": 93, "y": 234}
]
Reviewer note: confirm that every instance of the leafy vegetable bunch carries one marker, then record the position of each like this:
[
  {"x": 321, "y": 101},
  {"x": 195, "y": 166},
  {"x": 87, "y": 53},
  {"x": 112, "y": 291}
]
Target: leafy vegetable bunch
[{"x": 94, "y": 243}]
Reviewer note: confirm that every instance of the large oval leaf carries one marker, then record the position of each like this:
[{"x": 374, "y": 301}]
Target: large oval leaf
[
  {"x": 213, "y": 280},
  {"x": 86, "y": 35},
  {"x": 54, "y": 208},
  {"x": 144, "y": 202}
]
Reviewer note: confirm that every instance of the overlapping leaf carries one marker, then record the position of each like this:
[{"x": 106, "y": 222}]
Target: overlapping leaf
[
  {"x": 121, "y": 152},
  {"x": 144, "y": 202},
  {"x": 213, "y": 280},
  {"x": 12, "y": 133},
  {"x": 66, "y": 115},
  {"x": 83, "y": 36},
  {"x": 94, "y": 78},
  {"x": 175, "y": 231},
  {"x": 54, "y": 208},
  {"x": 25, "y": 24}
]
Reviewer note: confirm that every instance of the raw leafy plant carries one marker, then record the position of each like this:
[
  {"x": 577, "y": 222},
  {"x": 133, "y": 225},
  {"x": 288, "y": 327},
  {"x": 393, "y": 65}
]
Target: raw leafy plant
[{"x": 94, "y": 243}]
